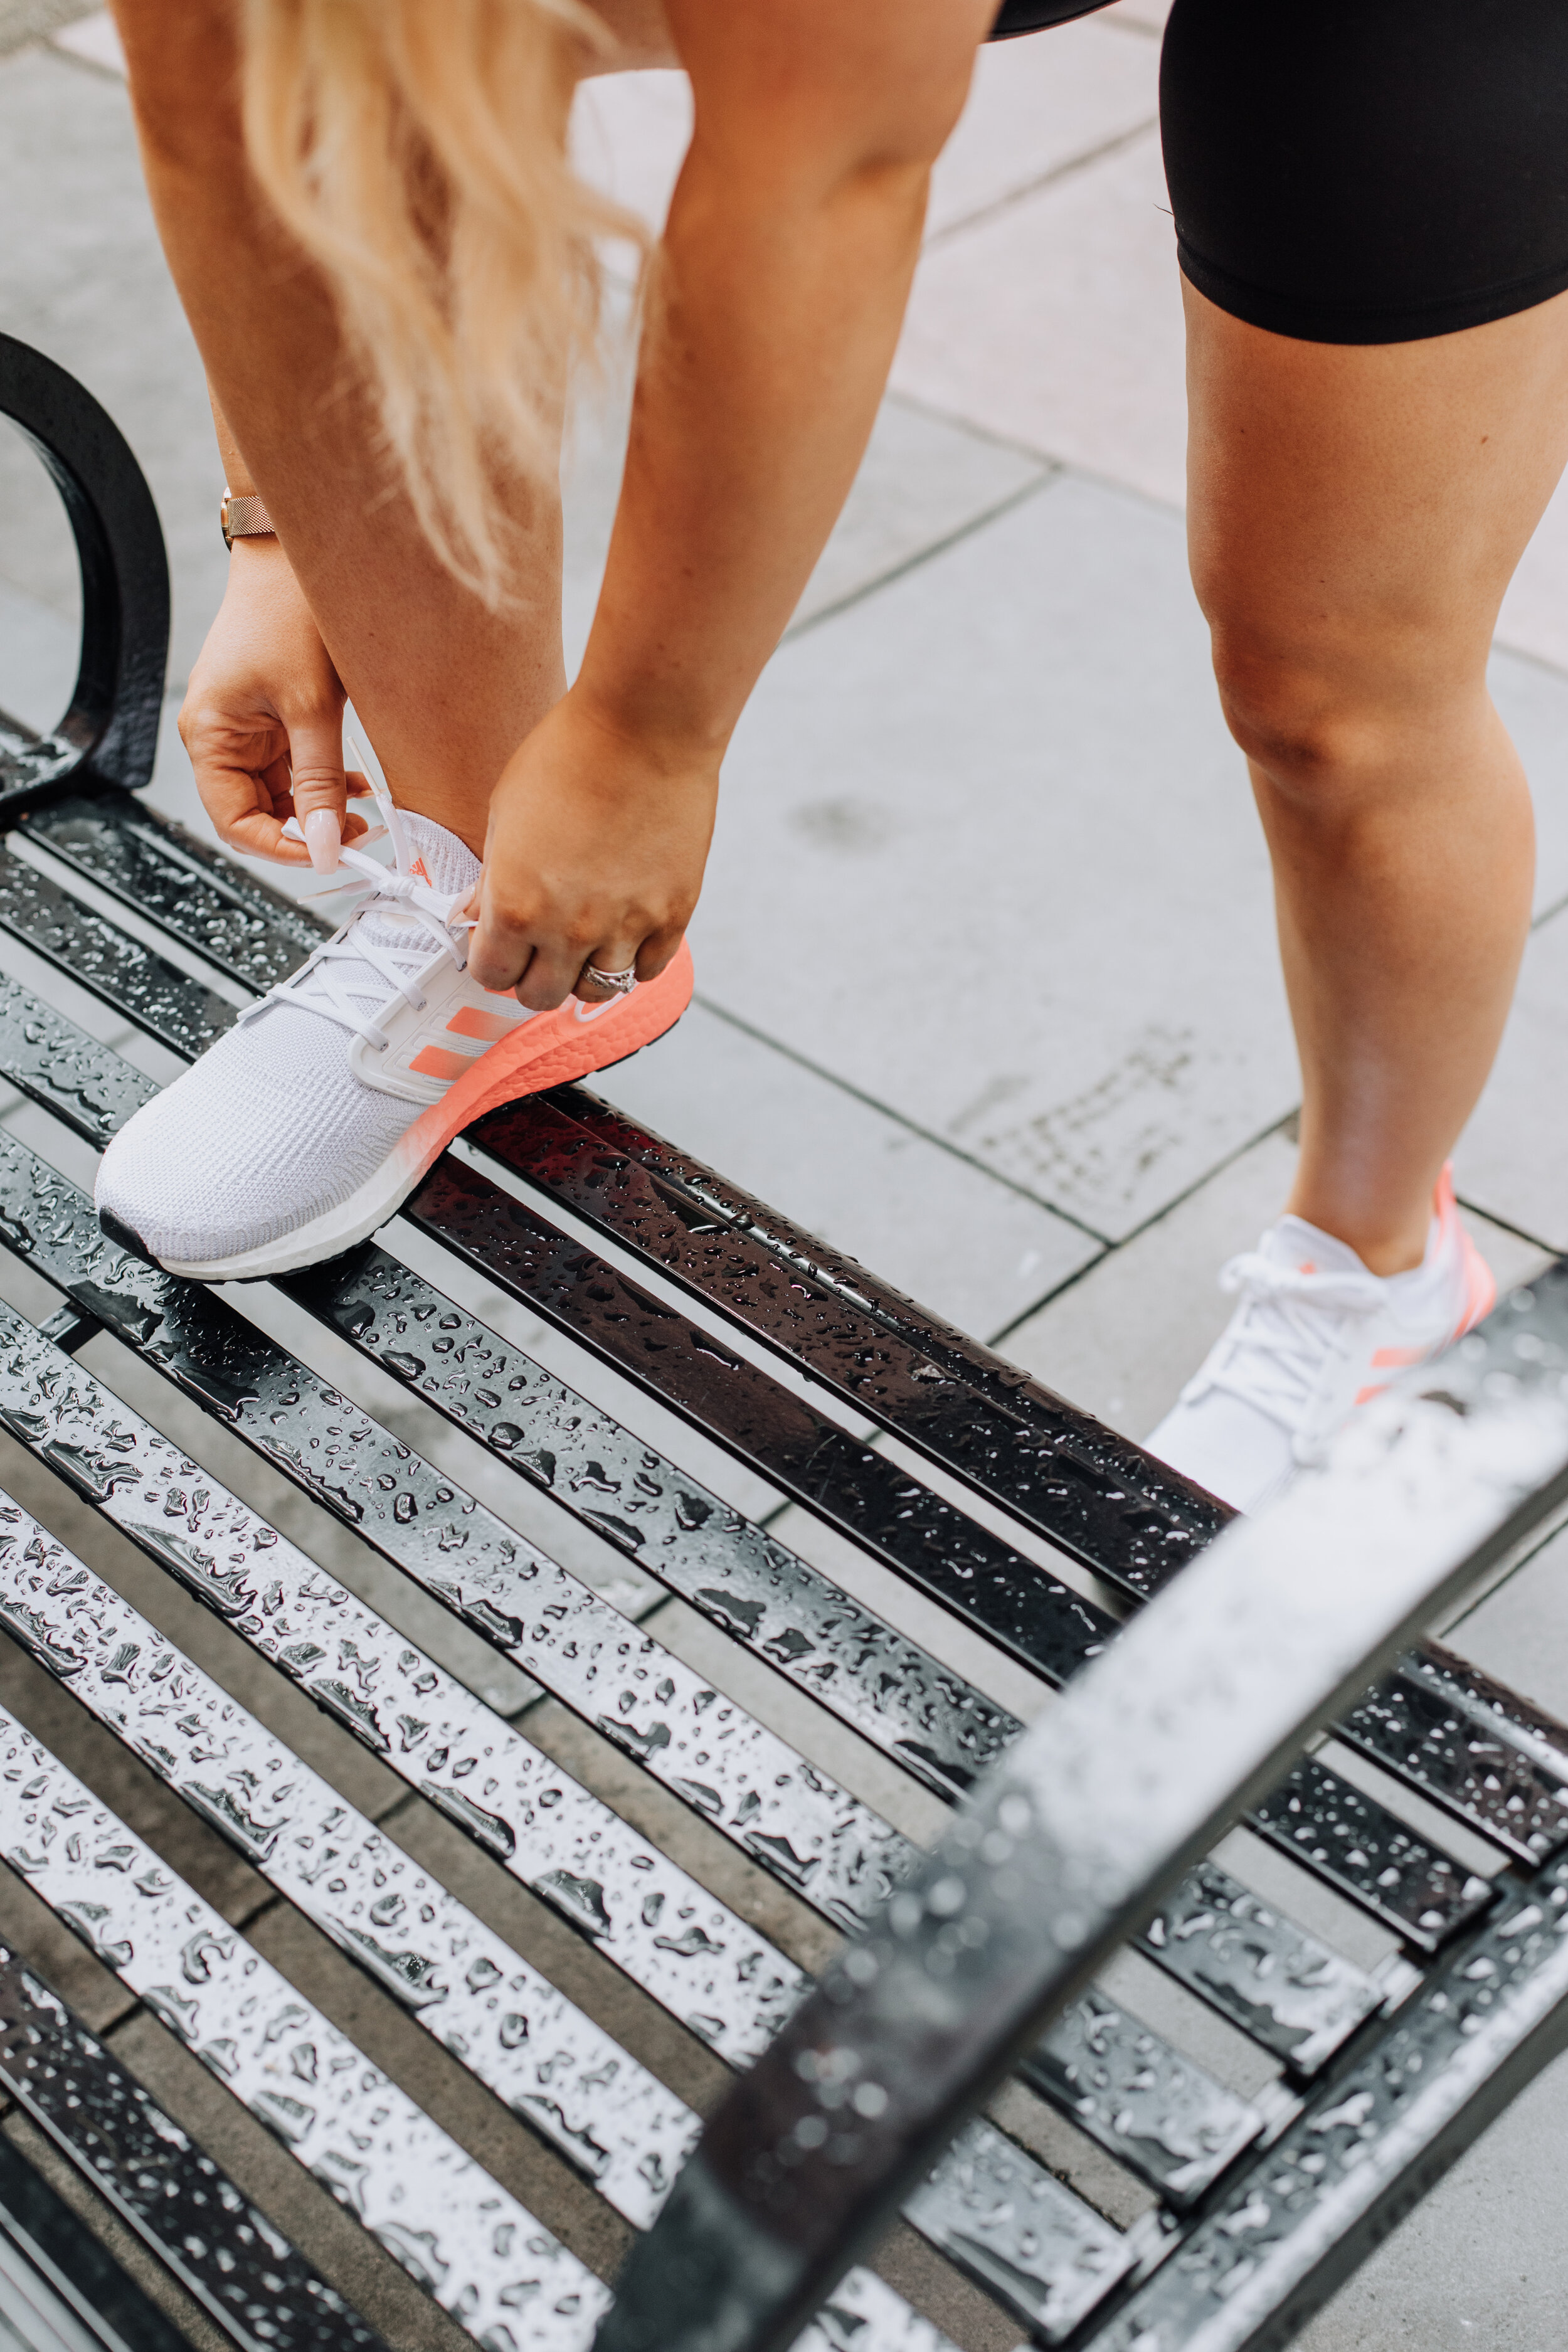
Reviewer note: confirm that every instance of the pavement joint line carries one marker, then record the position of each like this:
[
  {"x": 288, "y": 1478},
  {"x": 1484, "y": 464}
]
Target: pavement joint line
[
  {"x": 1050, "y": 471},
  {"x": 900, "y": 1118},
  {"x": 1137, "y": 1232},
  {"x": 1066, "y": 170},
  {"x": 1507, "y": 1225}
]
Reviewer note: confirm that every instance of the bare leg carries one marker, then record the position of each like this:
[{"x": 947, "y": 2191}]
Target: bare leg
[{"x": 1357, "y": 512}]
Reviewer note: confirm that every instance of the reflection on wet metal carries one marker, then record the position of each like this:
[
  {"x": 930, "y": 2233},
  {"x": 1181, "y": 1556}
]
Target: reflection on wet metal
[
  {"x": 859, "y": 1490},
  {"x": 351, "y": 2126},
  {"x": 1055, "y": 1466},
  {"x": 1358, "y": 1844},
  {"x": 529, "y": 1816},
  {"x": 1332, "y": 2185},
  {"x": 1068, "y": 1632},
  {"x": 1281, "y": 1985},
  {"x": 497, "y": 2015},
  {"x": 108, "y": 961},
  {"x": 790, "y": 1817},
  {"x": 168, "y": 876},
  {"x": 494, "y": 1578},
  {"x": 1143, "y": 2101},
  {"x": 1106, "y": 1798},
  {"x": 503, "y": 2022},
  {"x": 93, "y": 1090},
  {"x": 1426, "y": 1725},
  {"x": 487, "y": 2262},
  {"x": 939, "y": 1727},
  {"x": 222, "y": 2251},
  {"x": 1020, "y": 2232}
]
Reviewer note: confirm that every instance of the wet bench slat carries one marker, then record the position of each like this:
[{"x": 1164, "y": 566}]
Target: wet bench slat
[
  {"x": 503, "y": 2023},
  {"x": 223, "y": 2249},
  {"x": 220, "y": 1358},
  {"x": 336, "y": 2113},
  {"x": 307, "y": 1627},
  {"x": 487, "y": 2260}
]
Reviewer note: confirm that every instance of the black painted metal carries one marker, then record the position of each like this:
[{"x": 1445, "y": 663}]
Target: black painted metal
[
  {"x": 937, "y": 1725},
  {"x": 170, "y": 878},
  {"x": 61, "y": 2290},
  {"x": 1012, "y": 1599},
  {"x": 109, "y": 731},
  {"x": 1056, "y": 1468},
  {"x": 1410, "y": 1725},
  {"x": 134, "y": 978},
  {"x": 1256, "y": 1965},
  {"x": 1358, "y": 1845},
  {"x": 224, "y": 2252},
  {"x": 1273, "y": 2248},
  {"x": 857, "y": 1489}
]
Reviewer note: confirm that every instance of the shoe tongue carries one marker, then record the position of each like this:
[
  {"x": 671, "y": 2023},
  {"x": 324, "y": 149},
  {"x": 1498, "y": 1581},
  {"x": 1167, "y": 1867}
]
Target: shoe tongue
[
  {"x": 1306, "y": 1249},
  {"x": 448, "y": 863},
  {"x": 436, "y": 856}
]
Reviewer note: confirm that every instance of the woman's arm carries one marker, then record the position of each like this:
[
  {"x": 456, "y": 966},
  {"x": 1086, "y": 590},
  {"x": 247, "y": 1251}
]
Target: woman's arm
[{"x": 774, "y": 309}]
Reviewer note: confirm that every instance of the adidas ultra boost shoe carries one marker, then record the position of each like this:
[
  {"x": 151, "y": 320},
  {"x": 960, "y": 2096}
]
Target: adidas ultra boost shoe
[
  {"x": 1315, "y": 1335},
  {"x": 308, "y": 1125}
]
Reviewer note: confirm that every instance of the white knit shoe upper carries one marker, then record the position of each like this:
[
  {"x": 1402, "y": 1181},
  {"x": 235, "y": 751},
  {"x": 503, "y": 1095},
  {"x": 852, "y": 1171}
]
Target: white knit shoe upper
[
  {"x": 301, "y": 1102},
  {"x": 1314, "y": 1334}
]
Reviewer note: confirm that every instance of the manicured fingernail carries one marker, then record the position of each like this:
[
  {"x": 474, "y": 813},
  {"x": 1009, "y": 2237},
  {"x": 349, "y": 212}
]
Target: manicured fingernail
[{"x": 324, "y": 839}]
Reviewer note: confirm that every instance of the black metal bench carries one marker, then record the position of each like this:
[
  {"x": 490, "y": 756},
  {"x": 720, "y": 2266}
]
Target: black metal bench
[{"x": 861, "y": 2098}]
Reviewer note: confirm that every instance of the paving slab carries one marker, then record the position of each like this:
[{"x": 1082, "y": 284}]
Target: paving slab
[
  {"x": 1056, "y": 323},
  {"x": 82, "y": 278},
  {"x": 1038, "y": 106},
  {"x": 1534, "y": 617},
  {"x": 966, "y": 1245},
  {"x": 1484, "y": 2261},
  {"x": 920, "y": 484},
  {"x": 1519, "y": 1630},
  {"x": 1512, "y": 1160},
  {"x": 986, "y": 852}
]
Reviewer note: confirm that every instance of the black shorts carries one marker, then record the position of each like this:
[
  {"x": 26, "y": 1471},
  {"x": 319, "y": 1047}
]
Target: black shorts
[{"x": 1363, "y": 171}]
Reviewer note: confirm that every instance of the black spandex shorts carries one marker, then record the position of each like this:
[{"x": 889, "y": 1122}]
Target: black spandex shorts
[{"x": 1363, "y": 171}]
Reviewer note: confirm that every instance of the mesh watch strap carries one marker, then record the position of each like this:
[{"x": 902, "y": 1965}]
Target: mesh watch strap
[{"x": 243, "y": 518}]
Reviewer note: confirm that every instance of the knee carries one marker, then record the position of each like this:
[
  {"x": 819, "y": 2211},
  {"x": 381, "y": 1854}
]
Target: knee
[
  {"x": 1340, "y": 718},
  {"x": 1303, "y": 725}
]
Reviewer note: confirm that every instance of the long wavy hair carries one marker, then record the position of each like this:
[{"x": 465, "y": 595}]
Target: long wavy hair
[{"x": 416, "y": 151}]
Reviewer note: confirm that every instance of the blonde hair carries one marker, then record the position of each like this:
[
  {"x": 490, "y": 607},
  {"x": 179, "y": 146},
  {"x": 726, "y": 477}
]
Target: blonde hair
[{"x": 416, "y": 149}]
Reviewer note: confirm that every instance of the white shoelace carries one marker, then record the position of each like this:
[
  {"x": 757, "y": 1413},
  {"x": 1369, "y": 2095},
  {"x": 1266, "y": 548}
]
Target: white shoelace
[
  {"x": 1289, "y": 1324},
  {"x": 437, "y": 929}
]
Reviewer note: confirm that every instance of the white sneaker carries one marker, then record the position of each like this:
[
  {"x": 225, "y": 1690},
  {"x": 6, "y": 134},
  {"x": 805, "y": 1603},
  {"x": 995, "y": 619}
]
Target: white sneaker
[
  {"x": 306, "y": 1126},
  {"x": 1316, "y": 1334}
]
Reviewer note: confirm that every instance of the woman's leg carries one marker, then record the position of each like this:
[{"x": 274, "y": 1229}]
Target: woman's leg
[{"x": 1356, "y": 514}]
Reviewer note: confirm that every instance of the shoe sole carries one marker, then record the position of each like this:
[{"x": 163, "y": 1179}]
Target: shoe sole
[{"x": 581, "y": 1042}]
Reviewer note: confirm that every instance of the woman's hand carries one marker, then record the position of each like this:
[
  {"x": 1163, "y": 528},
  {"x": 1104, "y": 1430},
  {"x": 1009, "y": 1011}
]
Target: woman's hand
[
  {"x": 263, "y": 718},
  {"x": 594, "y": 855}
]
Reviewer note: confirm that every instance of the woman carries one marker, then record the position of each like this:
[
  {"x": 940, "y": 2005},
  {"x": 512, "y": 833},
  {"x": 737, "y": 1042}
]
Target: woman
[{"x": 1374, "y": 217}]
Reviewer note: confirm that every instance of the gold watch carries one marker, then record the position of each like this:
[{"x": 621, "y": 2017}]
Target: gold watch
[{"x": 244, "y": 518}]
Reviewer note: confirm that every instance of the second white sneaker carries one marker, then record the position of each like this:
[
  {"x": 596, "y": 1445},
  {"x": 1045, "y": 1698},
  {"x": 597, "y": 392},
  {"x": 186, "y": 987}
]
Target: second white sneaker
[{"x": 1314, "y": 1334}]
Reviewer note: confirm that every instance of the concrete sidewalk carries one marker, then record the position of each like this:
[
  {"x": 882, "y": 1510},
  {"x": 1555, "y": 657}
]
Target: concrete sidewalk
[{"x": 988, "y": 991}]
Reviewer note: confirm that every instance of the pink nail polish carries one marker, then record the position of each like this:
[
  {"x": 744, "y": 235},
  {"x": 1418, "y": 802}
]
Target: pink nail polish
[{"x": 324, "y": 839}]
